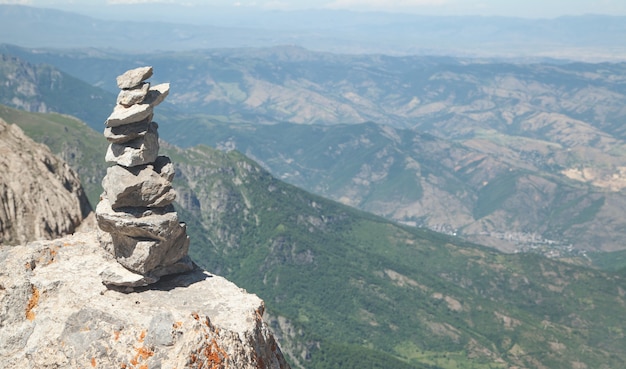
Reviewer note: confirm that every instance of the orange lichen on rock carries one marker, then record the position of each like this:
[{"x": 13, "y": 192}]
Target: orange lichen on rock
[
  {"x": 32, "y": 303},
  {"x": 215, "y": 355},
  {"x": 53, "y": 254},
  {"x": 48, "y": 256},
  {"x": 141, "y": 353},
  {"x": 93, "y": 362},
  {"x": 144, "y": 353}
]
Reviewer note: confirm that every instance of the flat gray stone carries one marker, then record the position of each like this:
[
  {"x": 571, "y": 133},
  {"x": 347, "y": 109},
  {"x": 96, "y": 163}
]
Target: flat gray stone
[
  {"x": 140, "y": 151},
  {"x": 157, "y": 94},
  {"x": 128, "y": 132},
  {"x": 132, "y": 96},
  {"x": 122, "y": 115},
  {"x": 141, "y": 186},
  {"x": 117, "y": 275},
  {"x": 146, "y": 256},
  {"x": 133, "y": 77},
  {"x": 147, "y": 223}
]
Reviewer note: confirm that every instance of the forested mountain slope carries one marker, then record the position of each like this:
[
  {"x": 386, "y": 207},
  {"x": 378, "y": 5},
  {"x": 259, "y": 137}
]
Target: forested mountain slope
[{"x": 348, "y": 289}]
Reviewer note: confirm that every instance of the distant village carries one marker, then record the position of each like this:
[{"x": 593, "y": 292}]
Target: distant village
[{"x": 525, "y": 242}]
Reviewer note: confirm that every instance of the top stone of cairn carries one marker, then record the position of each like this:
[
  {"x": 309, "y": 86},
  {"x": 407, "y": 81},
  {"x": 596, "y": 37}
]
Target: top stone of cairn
[{"x": 134, "y": 77}]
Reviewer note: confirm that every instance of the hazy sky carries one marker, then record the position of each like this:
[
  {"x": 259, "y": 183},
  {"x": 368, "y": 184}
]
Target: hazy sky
[{"x": 521, "y": 8}]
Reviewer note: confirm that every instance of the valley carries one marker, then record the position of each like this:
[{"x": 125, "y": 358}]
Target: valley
[
  {"x": 401, "y": 191},
  {"x": 499, "y": 154},
  {"x": 347, "y": 288}
]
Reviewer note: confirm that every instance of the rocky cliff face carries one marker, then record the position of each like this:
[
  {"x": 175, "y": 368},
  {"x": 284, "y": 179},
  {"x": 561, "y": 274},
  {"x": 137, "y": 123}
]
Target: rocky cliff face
[
  {"x": 56, "y": 313},
  {"x": 40, "y": 195}
]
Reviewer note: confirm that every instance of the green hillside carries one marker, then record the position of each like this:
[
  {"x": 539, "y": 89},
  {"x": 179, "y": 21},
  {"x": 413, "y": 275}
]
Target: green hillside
[
  {"x": 346, "y": 289},
  {"x": 346, "y": 277},
  {"x": 481, "y": 189}
]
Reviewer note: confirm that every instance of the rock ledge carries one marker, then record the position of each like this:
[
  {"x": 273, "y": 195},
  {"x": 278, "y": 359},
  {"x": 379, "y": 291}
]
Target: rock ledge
[{"x": 56, "y": 313}]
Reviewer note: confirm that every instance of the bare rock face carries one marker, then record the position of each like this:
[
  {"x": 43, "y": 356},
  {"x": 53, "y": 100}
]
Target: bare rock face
[
  {"x": 55, "y": 313},
  {"x": 138, "y": 224},
  {"x": 145, "y": 185},
  {"x": 40, "y": 195}
]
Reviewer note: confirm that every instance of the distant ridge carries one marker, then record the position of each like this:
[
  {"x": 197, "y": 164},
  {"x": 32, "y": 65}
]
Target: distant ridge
[
  {"x": 344, "y": 288},
  {"x": 520, "y": 156},
  {"x": 588, "y": 37}
]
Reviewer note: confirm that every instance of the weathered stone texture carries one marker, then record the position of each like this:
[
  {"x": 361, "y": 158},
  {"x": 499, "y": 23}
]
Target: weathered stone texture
[
  {"x": 125, "y": 115},
  {"x": 141, "y": 186},
  {"x": 127, "y": 132},
  {"x": 157, "y": 94},
  {"x": 133, "y": 95},
  {"x": 40, "y": 195},
  {"x": 132, "y": 78},
  {"x": 140, "y": 151},
  {"x": 56, "y": 313}
]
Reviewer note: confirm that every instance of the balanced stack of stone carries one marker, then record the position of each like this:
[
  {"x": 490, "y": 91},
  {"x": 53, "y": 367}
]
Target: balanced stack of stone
[{"x": 137, "y": 221}]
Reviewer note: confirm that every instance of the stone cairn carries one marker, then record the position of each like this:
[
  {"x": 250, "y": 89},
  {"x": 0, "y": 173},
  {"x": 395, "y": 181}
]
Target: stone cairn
[{"x": 137, "y": 221}]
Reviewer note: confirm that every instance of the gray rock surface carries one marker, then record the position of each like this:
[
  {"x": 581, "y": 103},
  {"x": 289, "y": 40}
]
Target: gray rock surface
[
  {"x": 140, "y": 151},
  {"x": 141, "y": 186},
  {"x": 143, "y": 239},
  {"x": 125, "y": 115},
  {"x": 153, "y": 223},
  {"x": 132, "y": 78},
  {"x": 132, "y": 96},
  {"x": 157, "y": 94},
  {"x": 40, "y": 195},
  {"x": 127, "y": 132},
  {"x": 55, "y": 313}
]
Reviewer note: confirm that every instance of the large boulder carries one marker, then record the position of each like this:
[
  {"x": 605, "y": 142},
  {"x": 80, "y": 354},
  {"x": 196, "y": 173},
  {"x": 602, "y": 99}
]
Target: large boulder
[{"x": 55, "y": 313}]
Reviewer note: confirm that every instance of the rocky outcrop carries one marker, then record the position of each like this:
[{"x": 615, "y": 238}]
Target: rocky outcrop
[
  {"x": 140, "y": 227},
  {"x": 40, "y": 195},
  {"x": 55, "y": 313}
]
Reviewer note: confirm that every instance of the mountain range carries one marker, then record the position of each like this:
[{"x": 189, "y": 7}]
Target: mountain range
[
  {"x": 143, "y": 27},
  {"x": 519, "y": 154},
  {"x": 515, "y": 156},
  {"x": 344, "y": 288}
]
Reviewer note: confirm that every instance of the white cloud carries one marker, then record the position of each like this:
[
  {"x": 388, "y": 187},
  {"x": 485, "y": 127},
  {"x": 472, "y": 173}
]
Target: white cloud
[
  {"x": 17, "y": 2},
  {"x": 122, "y": 2},
  {"x": 383, "y": 4}
]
